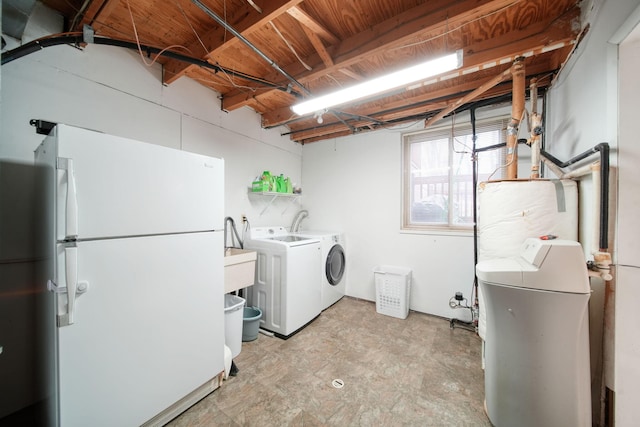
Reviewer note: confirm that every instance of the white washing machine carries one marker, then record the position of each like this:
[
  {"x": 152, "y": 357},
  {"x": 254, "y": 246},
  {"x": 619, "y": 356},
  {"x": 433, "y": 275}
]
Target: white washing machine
[
  {"x": 287, "y": 283},
  {"x": 333, "y": 264},
  {"x": 537, "y": 370}
]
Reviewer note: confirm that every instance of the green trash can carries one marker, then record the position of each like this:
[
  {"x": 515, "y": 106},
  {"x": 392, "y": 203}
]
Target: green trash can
[{"x": 251, "y": 323}]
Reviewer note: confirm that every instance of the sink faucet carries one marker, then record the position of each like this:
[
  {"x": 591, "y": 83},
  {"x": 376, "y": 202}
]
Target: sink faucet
[{"x": 228, "y": 220}]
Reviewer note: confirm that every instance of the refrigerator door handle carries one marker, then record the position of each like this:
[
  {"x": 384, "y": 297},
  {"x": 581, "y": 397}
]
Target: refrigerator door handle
[
  {"x": 71, "y": 274},
  {"x": 72, "y": 202},
  {"x": 71, "y": 217},
  {"x": 81, "y": 288}
]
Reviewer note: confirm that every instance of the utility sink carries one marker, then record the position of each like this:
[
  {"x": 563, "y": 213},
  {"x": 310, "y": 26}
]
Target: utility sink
[{"x": 239, "y": 268}]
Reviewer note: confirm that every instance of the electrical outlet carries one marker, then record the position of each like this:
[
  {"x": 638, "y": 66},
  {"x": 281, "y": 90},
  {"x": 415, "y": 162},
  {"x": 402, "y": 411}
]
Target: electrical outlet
[{"x": 244, "y": 218}]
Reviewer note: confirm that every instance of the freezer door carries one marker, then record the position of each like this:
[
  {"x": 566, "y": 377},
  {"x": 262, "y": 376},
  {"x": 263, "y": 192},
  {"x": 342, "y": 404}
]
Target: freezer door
[
  {"x": 109, "y": 186},
  {"x": 148, "y": 329}
]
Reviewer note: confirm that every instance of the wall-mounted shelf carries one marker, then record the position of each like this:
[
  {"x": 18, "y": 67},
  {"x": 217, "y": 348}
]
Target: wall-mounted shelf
[{"x": 271, "y": 196}]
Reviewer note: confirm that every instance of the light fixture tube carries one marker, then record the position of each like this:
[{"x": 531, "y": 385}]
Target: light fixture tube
[{"x": 381, "y": 84}]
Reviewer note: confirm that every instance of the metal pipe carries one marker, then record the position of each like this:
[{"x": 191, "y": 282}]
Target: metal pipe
[
  {"x": 596, "y": 174},
  {"x": 474, "y": 161},
  {"x": 240, "y": 37},
  {"x": 517, "y": 107},
  {"x": 603, "y": 149}
]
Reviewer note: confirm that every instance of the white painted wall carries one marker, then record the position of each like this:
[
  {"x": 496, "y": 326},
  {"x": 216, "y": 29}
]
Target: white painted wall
[
  {"x": 354, "y": 185},
  {"x": 627, "y": 318},
  {"x": 109, "y": 89},
  {"x": 584, "y": 108}
]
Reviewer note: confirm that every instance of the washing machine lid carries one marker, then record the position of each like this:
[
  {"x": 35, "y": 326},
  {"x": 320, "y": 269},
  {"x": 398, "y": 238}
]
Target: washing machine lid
[{"x": 276, "y": 236}]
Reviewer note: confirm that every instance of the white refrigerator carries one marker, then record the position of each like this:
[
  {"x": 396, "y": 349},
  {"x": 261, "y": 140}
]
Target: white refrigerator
[{"x": 134, "y": 264}]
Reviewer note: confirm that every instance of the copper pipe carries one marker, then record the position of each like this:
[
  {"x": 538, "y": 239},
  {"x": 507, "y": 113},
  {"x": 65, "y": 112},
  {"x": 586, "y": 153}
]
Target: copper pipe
[{"x": 517, "y": 107}]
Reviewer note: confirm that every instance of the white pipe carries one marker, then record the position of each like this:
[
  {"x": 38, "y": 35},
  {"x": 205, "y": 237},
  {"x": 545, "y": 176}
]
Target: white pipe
[
  {"x": 552, "y": 167},
  {"x": 535, "y": 157},
  {"x": 582, "y": 171}
]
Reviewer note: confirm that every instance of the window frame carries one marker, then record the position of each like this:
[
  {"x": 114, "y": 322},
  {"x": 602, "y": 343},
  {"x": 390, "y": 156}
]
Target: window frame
[{"x": 450, "y": 131}]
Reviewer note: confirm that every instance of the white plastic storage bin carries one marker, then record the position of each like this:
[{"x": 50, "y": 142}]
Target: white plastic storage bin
[
  {"x": 393, "y": 290},
  {"x": 233, "y": 312}
]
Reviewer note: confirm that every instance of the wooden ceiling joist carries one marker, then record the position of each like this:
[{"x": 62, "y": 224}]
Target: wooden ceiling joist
[
  {"x": 214, "y": 40},
  {"x": 308, "y": 22},
  {"x": 342, "y": 42},
  {"x": 306, "y": 130},
  {"x": 430, "y": 17}
]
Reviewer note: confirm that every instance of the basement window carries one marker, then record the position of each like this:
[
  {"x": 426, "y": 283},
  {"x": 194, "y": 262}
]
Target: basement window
[{"x": 438, "y": 173}]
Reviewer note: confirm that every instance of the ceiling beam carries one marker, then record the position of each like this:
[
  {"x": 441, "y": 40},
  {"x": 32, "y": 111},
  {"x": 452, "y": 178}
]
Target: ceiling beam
[
  {"x": 307, "y": 21},
  {"x": 214, "y": 40},
  {"x": 318, "y": 46},
  {"x": 414, "y": 108},
  {"x": 469, "y": 97},
  {"x": 430, "y": 17},
  {"x": 96, "y": 14},
  {"x": 481, "y": 56}
]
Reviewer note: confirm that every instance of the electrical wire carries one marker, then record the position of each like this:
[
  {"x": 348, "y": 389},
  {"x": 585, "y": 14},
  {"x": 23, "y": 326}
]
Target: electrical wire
[
  {"x": 513, "y": 157},
  {"x": 291, "y": 48},
  {"x": 207, "y": 54},
  {"x": 206, "y": 51},
  {"x": 135, "y": 31}
]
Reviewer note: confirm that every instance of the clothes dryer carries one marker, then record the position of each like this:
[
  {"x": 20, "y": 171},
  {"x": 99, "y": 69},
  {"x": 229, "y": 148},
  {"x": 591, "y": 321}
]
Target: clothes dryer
[{"x": 333, "y": 263}]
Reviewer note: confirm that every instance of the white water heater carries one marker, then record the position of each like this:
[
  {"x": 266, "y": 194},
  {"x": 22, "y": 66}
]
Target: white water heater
[{"x": 511, "y": 211}]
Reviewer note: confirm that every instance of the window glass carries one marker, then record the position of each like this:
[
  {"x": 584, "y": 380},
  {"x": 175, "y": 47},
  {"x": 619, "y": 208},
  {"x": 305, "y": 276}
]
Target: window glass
[{"x": 438, "y": 173}]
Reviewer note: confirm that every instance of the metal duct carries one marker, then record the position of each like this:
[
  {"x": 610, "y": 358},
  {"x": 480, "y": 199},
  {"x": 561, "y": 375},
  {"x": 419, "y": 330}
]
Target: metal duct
[{"x": 15, "y": 14}]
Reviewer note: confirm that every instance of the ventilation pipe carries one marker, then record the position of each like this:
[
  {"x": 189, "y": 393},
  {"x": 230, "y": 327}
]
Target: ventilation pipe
[
  {"x": 600, "y": 173},
  {"x": 295, "y": 225},
  {"x": 535, "y": 124},
  {"x": 517, "y": 108}
]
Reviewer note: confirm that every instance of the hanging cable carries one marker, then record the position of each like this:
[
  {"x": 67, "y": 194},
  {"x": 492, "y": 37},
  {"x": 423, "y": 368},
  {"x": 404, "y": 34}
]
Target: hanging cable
[
  {"x": 135, "y": 32},
  {"x": 291, "y": 48},
  {"x": 243, "y": 39}
]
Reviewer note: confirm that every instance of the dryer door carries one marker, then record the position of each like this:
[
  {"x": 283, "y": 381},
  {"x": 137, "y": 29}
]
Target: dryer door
[{"x": 335, "y": 265}]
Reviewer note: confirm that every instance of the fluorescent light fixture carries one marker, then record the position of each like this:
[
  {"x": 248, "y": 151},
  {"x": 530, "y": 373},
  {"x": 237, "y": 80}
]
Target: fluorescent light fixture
[{"x": 381, "y": 84}]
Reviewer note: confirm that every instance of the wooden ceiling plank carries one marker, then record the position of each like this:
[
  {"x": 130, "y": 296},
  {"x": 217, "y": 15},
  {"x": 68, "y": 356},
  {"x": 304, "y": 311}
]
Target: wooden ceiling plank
[
  {"x": 422, "y": 103},
  {"x": 214, "y": 39},
  {"x": 481, "y": 58},
  {"x": 430, "y": 17},
  {"x": 347, "y": 72},
  {"x": 318, "y": 46},
  {"x": 309, "y": 22}
]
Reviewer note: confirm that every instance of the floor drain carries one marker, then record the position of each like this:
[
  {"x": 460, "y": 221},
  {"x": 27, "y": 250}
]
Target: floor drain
[{"x": 337, "y": 383}]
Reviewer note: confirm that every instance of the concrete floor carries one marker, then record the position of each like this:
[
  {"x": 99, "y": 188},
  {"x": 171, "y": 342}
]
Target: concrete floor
[{"x": 412, "y": 372}]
